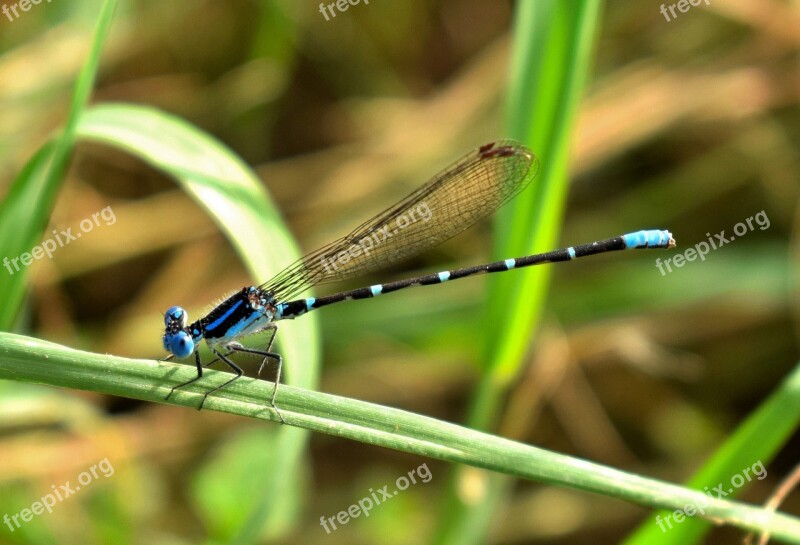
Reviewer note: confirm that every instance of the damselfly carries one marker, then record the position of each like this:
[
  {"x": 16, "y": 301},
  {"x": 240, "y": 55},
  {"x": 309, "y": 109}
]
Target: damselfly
[{"x": 453, "y": 200}]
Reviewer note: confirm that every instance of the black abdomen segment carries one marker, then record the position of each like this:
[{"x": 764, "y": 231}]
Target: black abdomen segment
[{"x": 641, "y": 239}]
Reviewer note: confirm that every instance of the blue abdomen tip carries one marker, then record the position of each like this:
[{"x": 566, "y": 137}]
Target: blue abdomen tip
[{"x": 651, "y": 238}]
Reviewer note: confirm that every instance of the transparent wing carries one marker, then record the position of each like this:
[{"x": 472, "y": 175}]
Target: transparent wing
[{"x": 470, "y": 189}]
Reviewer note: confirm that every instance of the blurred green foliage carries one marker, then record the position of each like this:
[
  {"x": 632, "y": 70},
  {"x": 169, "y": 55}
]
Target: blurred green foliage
[{"x": 689, "y": 125}]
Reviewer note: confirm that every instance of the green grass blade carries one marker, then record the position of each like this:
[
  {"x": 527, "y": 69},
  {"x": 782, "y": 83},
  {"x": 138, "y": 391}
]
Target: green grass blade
[
  {"x": 551, "y": 55},
  {"x": 26, "y": 209},
  {"x": 17, "y": 216},
  {"x": 31, "y": 360},
  {"x": 762, "y": 435},
  {"x": 233, "y": 196}
]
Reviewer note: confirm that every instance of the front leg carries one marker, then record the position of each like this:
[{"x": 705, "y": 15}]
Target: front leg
[
  {"x": 198, "y": 377},
  {"x": 236, "y": 369}
]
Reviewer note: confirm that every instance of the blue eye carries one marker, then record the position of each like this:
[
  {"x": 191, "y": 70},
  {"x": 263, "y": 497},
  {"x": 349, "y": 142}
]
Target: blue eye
[
  {"x": 176, "y": 314},
  {"x": 180, "y": 344}
]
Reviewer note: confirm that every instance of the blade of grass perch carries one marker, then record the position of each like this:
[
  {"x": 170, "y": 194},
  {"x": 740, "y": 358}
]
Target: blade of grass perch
[
  {"x": 39, "y": 181},
  {"x": 551, "y": 56},
  {"x": 31, "y": 360},
  {"x": 223, "y": 185},
  {"x": 757, "y": 439}
]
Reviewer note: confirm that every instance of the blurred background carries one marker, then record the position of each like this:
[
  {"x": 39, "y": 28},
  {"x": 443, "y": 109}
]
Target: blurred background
[{"x": 688, "y": 124}]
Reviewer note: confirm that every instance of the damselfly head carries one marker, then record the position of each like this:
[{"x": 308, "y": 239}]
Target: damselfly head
[
  {"x": 176, "y": 316},
  {"x": 176, "y": 338}
]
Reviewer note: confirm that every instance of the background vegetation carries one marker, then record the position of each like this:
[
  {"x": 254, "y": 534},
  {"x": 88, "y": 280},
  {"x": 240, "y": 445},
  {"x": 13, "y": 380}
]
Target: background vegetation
[{"x": 639, "y": 122}]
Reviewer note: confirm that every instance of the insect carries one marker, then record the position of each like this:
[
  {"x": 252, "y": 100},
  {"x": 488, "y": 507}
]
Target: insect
[{"x": 453, "y": 200}]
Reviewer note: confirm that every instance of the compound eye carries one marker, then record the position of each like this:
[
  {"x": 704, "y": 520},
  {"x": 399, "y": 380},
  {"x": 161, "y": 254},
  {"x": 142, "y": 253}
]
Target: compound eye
[
  {"x": 176, "y": 315},
  {"x": 180, "y": 344}
]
